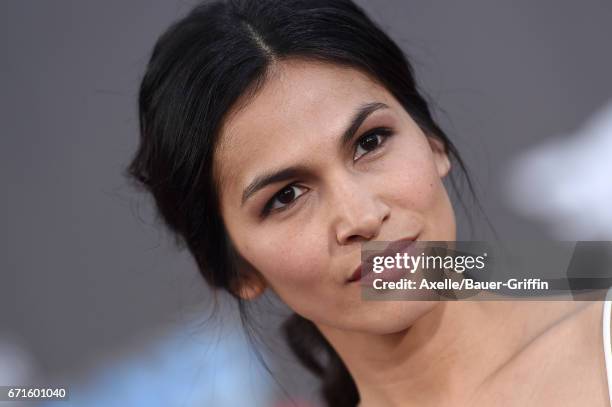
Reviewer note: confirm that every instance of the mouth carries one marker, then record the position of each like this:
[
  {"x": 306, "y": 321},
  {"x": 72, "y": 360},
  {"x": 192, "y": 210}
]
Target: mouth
[{"x": 394, "y": 247}]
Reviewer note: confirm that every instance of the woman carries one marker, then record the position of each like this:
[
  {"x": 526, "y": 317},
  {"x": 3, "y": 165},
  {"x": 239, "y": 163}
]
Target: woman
[{"x": 279, "y": 136}]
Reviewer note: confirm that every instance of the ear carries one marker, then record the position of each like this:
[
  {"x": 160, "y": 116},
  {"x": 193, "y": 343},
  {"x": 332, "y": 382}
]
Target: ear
[
  {"x": 250, "y": 284},
  {"x": 441, "y": 159}
]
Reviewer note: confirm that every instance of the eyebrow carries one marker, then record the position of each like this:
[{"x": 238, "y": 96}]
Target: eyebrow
[{"x": 284, "y": 174}]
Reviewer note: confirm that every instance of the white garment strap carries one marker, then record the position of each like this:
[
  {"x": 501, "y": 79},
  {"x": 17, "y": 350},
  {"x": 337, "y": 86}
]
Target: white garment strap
[{"x": 606, "y": 340}]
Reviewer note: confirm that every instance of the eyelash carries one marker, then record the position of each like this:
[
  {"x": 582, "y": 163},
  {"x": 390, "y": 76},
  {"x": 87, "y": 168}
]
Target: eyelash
[{"x": 385, "y": 132}]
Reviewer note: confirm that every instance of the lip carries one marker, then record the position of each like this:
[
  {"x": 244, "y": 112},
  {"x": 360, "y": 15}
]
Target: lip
[{"x": 393, "y": 247}]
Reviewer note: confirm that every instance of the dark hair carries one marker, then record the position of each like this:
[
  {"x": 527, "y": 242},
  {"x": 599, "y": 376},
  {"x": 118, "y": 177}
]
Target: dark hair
[{"x": 199, "y": 68}]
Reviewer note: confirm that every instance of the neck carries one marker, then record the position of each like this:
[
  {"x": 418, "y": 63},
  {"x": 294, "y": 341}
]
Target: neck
[{"x": 446, "y": 355}]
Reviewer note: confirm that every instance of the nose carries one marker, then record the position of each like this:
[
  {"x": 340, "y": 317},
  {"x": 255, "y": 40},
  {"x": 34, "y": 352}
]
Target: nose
[{"x": 358, "y": 213}]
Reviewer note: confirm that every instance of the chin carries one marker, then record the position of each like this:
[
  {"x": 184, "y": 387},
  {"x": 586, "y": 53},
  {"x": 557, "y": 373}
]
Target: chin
[{"x": 389, "y": 317}]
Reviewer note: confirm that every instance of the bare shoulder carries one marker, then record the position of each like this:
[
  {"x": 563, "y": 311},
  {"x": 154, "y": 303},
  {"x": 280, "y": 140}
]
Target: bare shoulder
[
  {"x": 579, "y": 370},
  {"x": 563, "y": 366}
]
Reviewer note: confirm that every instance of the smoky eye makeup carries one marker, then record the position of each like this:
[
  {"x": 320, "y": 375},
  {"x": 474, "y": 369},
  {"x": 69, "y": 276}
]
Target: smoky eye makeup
[
  {"x": 364, "y": 144},
  {"x": 371, "y": 140}
]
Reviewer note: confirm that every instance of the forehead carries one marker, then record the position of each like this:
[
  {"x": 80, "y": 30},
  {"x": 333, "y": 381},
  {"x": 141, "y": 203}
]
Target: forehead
[{"x": 300, "y": 107}]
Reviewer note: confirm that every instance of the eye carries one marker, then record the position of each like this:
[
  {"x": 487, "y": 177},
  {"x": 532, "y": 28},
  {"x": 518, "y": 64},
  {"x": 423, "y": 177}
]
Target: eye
[
  {"x": 371, "y": 141},
  {"x": 284, "y": 198}
]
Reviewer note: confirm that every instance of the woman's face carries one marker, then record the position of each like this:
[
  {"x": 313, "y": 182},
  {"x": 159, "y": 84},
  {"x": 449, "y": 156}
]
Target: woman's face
[{"x": 321, "y": 160}]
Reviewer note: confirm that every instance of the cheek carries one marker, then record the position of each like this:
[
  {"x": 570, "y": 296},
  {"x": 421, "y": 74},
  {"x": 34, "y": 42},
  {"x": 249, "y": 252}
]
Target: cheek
[
  {"x": 289, "y": 261},
  {"x": 412, "y": 178},
  {"x": 414, "y": 185}
]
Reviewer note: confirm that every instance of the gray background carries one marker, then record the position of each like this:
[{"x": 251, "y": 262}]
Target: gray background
[{"x": 84, "y": 269}]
